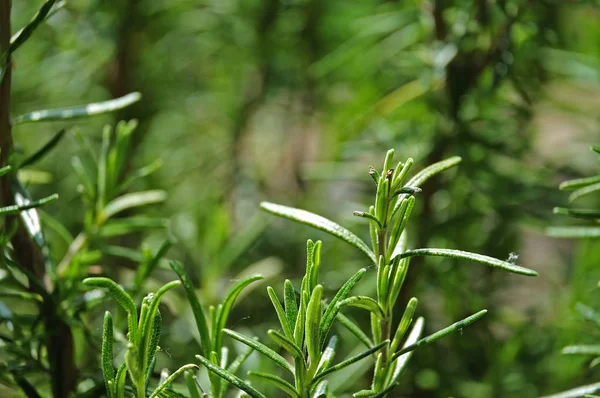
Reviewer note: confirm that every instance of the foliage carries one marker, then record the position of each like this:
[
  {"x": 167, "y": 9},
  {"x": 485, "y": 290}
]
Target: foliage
[
  {"x": 580, "y": 187},
  {"x": 306, "y": 325},
  {"x": 143, "y": 338}
]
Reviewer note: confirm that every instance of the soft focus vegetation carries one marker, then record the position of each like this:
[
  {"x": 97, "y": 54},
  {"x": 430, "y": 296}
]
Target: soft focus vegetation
[{"x": 201, "y": 110}]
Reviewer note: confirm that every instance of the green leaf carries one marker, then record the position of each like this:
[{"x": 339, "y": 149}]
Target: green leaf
[
  {"x": 588, "y": 313},
  {"x": 291, "y": 306},
  {"x": 121, "y": 297},
  {"x": 141, "y": 173},
  {"x": 201, "y": 324},
  {"x": 277, "y": 382},
  {"x": 231, "y": 378},
  {"x": 281, "y": 315},
  {"x": 429, "y": 172},
  {"x": 223, "y": 314},
  {"x": 364, "y": 302},
  {"x": 286, "y": 344},
  {"x": 23, "y": 34},
  {"x": 328, "y": 354},
  {"x": 405, "y": 322},
  {"x": 147, "y": 267},
  {"x": 132, "y": 200},
  {"x": 108, "y": 371},
  {"x": 93, "y": 109},
  {"x": 154, "y": 340},
  {"x": 5, "y": 170},
  {"x": 432, "y": 170},
  {"x": 146, "y": 325},
  {"x": 581, "y": 192},
  {"x": 320, "y": 223},
  {"x": 299, "y": 327},
  {"x": 402, "y": 360},
  {"x": 321, "y": 390},
  {"x": 102, "y": 174},
  {"x": 44, "y": 150},
  {"x": 120, "y": 379},
  {"x": 354, "y": 329},
  {"x": 263, "y": 349},
  {"x": 578, "y": 183},
  {"x": 313, "y": 320},
  {"x": 586, "y": 214},
  {"x": 576, "y": 392},
  {"x": 350, "y": 361},
  {"x": 171, "y": 378},
  {"x": 581, "y": 350},
  {"x": 459, "y": 254},
  {"x": 16, "y": 209},
  {"x": 441, "y": 333},
  {"x": 573, "y": 232},
  {"x": 84, "y": 177},
  {"x": 332, "y": 309}
]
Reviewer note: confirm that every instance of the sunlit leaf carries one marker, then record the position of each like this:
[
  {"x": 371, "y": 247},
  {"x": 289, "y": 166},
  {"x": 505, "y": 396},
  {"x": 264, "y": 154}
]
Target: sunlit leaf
[
  {"x": 320, "y": 223},
  {"x": 171, "y": 378},
  {"x": 132, "y": 200},
  {"x": 350, "y": 361},
  {"x": 93, "y": 109},
  {"x": 263, "y": 349},
  {"x": 455, "y": 327},
  {"x": 576, "y": 392},
  {"x": 573, "y": 232},
  {"x": 459, "y": 254}
]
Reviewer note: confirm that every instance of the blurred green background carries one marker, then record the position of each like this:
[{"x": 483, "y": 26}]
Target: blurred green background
[{"x": 290, "y": 101}]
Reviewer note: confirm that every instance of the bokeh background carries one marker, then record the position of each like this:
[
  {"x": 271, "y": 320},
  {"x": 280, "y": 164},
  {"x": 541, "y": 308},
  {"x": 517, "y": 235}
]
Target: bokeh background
[{"x": 290, "y": 101}]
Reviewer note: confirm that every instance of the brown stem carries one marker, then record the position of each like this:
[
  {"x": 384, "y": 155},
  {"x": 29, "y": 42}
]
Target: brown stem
[{"x": 59, "y": 341}]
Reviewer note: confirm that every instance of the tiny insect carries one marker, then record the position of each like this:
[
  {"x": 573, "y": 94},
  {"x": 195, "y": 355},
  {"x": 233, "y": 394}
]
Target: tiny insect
[{"x": 512, "y": 257}]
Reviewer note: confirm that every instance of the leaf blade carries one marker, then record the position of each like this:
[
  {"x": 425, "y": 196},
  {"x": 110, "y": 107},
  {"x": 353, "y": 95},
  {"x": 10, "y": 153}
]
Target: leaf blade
[
  {"x": 480, "y": 258},
  {"x": 320, "y": 223},
  {"x": 93, "y": 109}
]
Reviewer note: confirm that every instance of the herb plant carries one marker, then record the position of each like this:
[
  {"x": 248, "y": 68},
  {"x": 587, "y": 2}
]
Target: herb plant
[
  {"x": 580, "y": 188},
  {"x": 306, "y": 322},
  {"x": 143, "y": 338}
]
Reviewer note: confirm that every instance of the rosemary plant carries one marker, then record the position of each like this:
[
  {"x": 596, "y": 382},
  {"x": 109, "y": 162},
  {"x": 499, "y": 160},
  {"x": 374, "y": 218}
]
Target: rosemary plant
[
  {"x": 143, "y": 338},
  {"x": 213, "y": 353},
  {"x": 580, "y": 188},
  {"x": 306, "y": 323}
]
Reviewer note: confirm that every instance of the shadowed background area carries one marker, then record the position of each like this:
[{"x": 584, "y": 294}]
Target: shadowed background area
[{"x": 290, "y": 101}]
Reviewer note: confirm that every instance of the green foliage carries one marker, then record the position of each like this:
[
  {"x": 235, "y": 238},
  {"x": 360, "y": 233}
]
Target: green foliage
[
  {"x": 142, "y": 347},
  {"x": 213, "y": 353},
  {"x": 581, "y": 187},
  {"x": 306, "y": 326}
]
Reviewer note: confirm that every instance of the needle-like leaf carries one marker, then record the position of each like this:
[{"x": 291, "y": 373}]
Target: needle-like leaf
[
  {"x": 108, "y": 371},
  {"x": 333, "y": 309},
  {"x": 576, "y": 392},
  {"x": 201, "y": 324},
  {"x": 350, "y": 361},
  {"x": 263, "y": 349},
  {"x": 93, "y": 109},
  {"x": 277, "y": 382},
  {"x": 441, "y": 333},
  {"x": 320, "y": 223},
  {"x": 171, "y": 378},
  {"x": 459, "y": 254},
  {"x": 231, "y": 378}
]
